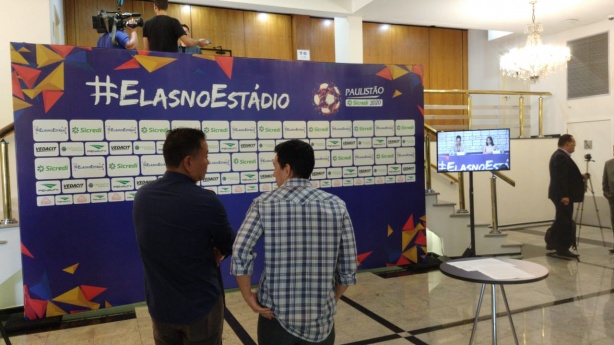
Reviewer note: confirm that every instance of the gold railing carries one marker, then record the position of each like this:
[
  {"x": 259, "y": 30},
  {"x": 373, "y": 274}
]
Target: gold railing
[
  {"x": 5, "y": 176},
  {"x": 472, "y": 116}
]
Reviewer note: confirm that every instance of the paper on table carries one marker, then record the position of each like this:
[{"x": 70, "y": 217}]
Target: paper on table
[{"x": 495, "y": 269}]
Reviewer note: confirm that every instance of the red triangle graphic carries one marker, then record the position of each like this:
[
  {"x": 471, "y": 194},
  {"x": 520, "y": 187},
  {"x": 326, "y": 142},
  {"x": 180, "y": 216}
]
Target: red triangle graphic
[
  {"x": 143, "y": 52},
  {"x": 86, "y": 48},
  {"x": 27, "y": 74},
  {"x": 420, "y": 238},
  {"x": 91, "y": 291},
  {"x": 403, "y": 261},
  {"x": 409, "y": 225},
  {"x": 62, "y": 51},
  {"x": 225, "y": 63},
  {"x": 421, "y": 110},
  {"x": 131, "y": 64},
  {"x": 385, "y": 73},
  {"x": 362, "y": 257},
  {"x": 25, "y": 251},
  {"x": 33, "y": 308},
  {"x": 17, "y": 92},
  {"x": 418, "y": 69},
  {"x": 50, "y": 98}
]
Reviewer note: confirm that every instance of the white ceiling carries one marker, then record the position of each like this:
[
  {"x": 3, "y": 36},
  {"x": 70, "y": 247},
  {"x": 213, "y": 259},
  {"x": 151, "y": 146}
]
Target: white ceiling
[{"x": 501, "y": 15}]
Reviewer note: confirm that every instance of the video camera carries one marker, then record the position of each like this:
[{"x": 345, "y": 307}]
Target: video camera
[
  {"x": 588, "y": 157},
  {"x": 111, "y": 21}
]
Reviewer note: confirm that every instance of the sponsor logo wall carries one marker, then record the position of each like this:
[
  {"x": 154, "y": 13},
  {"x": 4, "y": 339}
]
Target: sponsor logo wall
[{"x": 89, "y": 130}]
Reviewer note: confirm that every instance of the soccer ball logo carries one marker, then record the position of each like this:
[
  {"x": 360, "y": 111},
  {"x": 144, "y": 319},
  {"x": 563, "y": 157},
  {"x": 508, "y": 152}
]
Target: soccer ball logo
[{"x": 327, "y": 99}]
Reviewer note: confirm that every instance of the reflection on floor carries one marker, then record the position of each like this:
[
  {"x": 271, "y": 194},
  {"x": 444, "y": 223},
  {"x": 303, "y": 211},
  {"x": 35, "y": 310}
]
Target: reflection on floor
[{"x": 574, "y": 305}]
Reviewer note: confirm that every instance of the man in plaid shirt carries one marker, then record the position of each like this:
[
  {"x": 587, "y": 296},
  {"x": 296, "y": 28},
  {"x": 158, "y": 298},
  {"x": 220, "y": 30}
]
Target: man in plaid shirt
[{"x": 309, "y": 253}]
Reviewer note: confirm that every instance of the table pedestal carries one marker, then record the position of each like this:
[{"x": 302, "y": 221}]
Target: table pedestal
[{"x": 494, "y": 313}]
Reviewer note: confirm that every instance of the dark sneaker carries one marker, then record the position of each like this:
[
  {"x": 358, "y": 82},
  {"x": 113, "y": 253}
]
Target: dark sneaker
[{"x": 566, "y": 253}]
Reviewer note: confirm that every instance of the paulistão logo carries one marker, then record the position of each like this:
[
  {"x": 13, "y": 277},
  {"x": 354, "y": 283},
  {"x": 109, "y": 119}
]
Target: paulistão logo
[{"x": 327, "y": 99}]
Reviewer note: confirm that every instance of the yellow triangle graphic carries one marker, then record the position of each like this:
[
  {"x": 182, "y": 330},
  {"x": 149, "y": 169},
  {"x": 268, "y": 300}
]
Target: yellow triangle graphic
[
  {"x": 153, "y": 63},
  {"x": 107, "y": 304},
  {"x": 71, "y": 269},
  {"x": 53, "y": 82},
  {"x": 390, "y": 231},
  {"x": 24, "y": 50},
  {"x": 94, "y": 306},
  {"x": 53, "y": 310},
  {"x": 406, "y": 239},
  {"x": 74, "y": 297},
  {"x": 411, "y": 254},
  {"x": 18, "y": 104},
  {"x": 46, "y": 56},
  {"x": 397, "y": 93},
  {"x": 17, "y": 58},
  {"x": 397, "y": 71}
]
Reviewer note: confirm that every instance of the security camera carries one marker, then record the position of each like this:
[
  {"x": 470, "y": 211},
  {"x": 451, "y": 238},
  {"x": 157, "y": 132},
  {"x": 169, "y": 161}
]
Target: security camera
[{"x": 611, "y": 17}]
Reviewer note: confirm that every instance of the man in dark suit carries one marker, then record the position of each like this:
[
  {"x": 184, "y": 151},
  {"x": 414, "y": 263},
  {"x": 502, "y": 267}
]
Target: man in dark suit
[{"x": 566, "y": 187}]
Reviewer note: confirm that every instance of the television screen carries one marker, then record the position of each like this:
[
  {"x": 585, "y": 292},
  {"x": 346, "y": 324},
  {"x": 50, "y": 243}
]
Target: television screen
[{"x": 473, "y": 150}]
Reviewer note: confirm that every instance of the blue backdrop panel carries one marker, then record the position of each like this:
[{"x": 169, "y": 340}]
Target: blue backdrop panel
[{"x": 90, "y": 124}]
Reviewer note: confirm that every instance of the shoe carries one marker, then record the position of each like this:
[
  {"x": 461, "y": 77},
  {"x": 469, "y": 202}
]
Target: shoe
[
  {"x": 566, "y": 253},
  {"x": 549, "y": 246}
]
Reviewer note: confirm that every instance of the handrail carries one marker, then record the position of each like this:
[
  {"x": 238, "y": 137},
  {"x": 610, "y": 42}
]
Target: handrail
[
  {"x": 450, "y": 177},
  {"x": 490, "y": 92},
  {"x": 6, "y": 130}
]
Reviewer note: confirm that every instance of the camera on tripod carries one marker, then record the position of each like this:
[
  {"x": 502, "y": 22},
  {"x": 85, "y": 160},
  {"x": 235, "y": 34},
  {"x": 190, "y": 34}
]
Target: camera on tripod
[
  {"x": 111, "y": 21},
  {"x": 588, "y": 157}
]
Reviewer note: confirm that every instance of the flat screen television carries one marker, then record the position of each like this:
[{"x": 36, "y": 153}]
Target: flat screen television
[{"x": 473, "y": 150}]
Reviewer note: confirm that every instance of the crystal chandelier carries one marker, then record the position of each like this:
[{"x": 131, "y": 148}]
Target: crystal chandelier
[{"x": 535, "y": 59}]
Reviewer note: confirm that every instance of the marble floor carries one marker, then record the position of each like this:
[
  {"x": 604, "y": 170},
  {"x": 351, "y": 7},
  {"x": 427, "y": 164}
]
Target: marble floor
[{"x": 574, "y": 305}]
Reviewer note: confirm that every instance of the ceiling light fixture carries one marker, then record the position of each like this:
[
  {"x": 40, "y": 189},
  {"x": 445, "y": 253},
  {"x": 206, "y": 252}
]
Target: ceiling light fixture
[{"x": 535, "y": 60}]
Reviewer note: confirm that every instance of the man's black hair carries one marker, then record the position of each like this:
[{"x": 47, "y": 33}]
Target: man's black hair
[
  {"x": 161, "y": 4},
  {"x": 298, "y": 154},
  {"x": 564, "y": 139},
  {"x": 180, "y": 143}
]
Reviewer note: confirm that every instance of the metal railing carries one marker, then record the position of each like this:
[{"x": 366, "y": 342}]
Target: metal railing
[
  {"x": 471, "y": 116},
  {"x": 5, "y": 176}
]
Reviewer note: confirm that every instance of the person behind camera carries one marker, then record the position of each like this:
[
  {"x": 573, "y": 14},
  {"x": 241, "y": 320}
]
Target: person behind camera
[
  {"x": 122, "y": 40},
  {"x": 182, "y": 48},
  {"x": 161, "y": 32}
]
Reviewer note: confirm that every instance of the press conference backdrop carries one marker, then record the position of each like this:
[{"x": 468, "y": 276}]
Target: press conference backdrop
[{"x": 89, "y": 130}]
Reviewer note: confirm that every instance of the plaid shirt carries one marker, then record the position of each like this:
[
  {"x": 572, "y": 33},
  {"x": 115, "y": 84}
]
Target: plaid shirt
[{"x": 309, "y": 247}]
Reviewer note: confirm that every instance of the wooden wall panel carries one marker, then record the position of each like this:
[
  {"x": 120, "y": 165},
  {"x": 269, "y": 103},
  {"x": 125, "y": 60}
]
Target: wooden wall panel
[
  {"x": 268, "y": 36},
  {"x": 448, "y": 69},
  {"x": 316, "y": 35},
  {"x": 377, "y": 43},
  {"x": 410, "y": 46},
  {"x": 222, "y": 27}
]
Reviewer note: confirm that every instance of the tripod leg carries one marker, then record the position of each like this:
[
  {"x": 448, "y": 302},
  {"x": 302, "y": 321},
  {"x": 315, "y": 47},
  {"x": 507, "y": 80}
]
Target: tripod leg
[{"x": 596, "y": 210}]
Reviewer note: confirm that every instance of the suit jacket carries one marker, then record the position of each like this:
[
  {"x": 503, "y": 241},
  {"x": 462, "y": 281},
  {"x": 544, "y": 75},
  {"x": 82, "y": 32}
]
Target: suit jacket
[
  {"x": 566, "y": 180},
  {"x": 608, "y": 180}
]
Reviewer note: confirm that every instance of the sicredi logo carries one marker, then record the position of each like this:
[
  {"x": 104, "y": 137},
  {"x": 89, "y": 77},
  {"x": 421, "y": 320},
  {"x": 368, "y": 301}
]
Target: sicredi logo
[
  {"x": 85, "y": 167},
  {"x": 363, "y": 128},
  {"x": 52, "y": 168},
  {"x": 50, "y": 130},
  {"x": 96, "y": 148},
  {"x": 269, "y": 129},
  {"x": 244, "y": 161},
  {"x": 153, "y": 129},
  {"x": 86, "y": 130},
  {"x": 318, "y": 129},
  {"x": 216, "y": 130},
  {"x": 405, "y": 127},
  {"x": 123, "y": 166},
  {"x": 98, "y": 185},
  {"x": 73, "y": 186},
  {"x": 341, "y": 158},
  {"x": 72, "y": 149},
  {"x": 384, "y": 156},
  {"x": 46, "y": 149},
  {"x": 48, "y": 187}
]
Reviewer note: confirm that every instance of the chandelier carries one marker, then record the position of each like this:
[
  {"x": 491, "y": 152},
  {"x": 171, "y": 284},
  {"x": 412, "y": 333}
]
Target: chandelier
[{"x": 535, "y": 59}]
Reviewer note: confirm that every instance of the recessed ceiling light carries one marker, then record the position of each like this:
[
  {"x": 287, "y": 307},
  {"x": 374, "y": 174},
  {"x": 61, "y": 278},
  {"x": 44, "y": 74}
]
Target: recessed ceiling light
[{"x": 571, "y": 20}]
